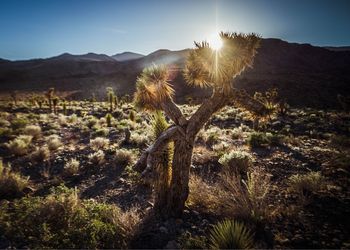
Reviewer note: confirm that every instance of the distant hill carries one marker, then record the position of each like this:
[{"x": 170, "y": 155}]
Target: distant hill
[
  {"x": 341, "y": 48},
  {"x": 304, "y": 74},
  {"x": 126, "y": 56},
  {"x": 84, "y": 57}
]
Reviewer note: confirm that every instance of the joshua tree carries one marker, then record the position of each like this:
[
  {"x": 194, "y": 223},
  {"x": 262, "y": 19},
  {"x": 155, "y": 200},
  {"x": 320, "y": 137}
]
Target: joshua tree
[
  {"x": 64, "y": 107},
  {"x": 132, "y": 115},
  {"x": 13, "y": 95},
  {"x": 115, "y": 99},
  {"x": 49, "y": 96},
  {"x": 55, "y": 103},
  {"x": 110, "y": 96},
  {"x": 205, "y": 67},
  {"x": 39, "y": 100},
  {"x": 109, "y": 120}
]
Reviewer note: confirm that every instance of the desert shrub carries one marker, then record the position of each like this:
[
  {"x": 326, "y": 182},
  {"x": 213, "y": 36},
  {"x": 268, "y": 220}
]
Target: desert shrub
[
  {"x": 130, "y": 220},
  {"x": 201, "y": 155},
  {"x": 139, "y": 140},
  {"x": 71, "y": 118},
  {"x": 19, "y": 146},
  {"x": 71, "y": 167},
  {"x": 91, "y": 121},
  {"x": 237, "y": 133},
  {"x": 40, "y": 154},
  {"x": 101, "y": 132},
  {"x": 205, "y": 197},
  {"x": 97, "y": 157},
  {"x": 123, "y": 157},
  {"x": 12, "y": 184},
  {"x": 33, "y": 130},
  {"x": 306, "y": 184},
  {"x": 99, "y": 143},
  {"x": 212, "y": 138},
  {"x": 62, "y": 120},
  {"x": 19, "y": 123},
  {"x": 54, "y": 142},
  {"x": 248, "y": 198},
  {"x": 231, "y": 234},
  {"x": 61, "y": 220},
  {"x": 5, "y": 132},
  {"x": 4, "y": 123},
  {"x": 236, "y": 161},
  {"x": 221, "y": 148},
  {"x": 257, "y": 139},
  {"x": 187, "y": 241},
  {"x": 275, "y": 139}
]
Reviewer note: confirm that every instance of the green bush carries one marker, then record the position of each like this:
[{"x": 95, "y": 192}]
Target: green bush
[
  {"x": 236, "y": 161},
  {"x": 230, "y": 234},
  {"x": 306, "y": 184},
  {"x": 18, "y": 123},
  {"x": 259, "y": 139},
  {"x": 61, "y": 220}
]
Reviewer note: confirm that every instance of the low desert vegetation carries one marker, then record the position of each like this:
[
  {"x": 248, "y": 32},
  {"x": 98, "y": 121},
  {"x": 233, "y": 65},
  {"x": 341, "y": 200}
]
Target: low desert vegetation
[
  {"x": 62, "y": 220},
  {"x": 71, "y": 167},
  {"x": 305, "y": 185},
  {"x": 237, "y": 161},
  {"x": 54, "y": 142},
  {"x": 230, "y": 234},
  {"x": 20, "y": 145},
  {"x": 12, "y": 184}
]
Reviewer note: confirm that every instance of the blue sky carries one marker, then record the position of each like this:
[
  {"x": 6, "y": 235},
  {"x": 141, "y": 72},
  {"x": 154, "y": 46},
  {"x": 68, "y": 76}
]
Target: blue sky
[{"x": 45, "y": 28}]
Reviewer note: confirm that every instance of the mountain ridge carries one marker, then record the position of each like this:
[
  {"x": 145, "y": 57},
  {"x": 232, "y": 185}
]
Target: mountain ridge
[{"x": 305, "y": 75}]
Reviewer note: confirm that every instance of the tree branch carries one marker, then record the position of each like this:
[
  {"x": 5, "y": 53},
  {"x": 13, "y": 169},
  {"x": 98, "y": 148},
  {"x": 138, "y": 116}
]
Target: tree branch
[
  {"x": 145, "y": 161},
  {"x": 243, "y": 99},
  {"x": 173, "y": 112},
  {"x": 217, "y": 101}
]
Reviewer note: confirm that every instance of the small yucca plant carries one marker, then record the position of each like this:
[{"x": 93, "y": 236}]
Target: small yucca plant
[
  {"x": 109, "y": 118},
  {"x": 132, "y": 115},
  {"x": 110, "y": 96},
  {"x": 163, "y": 165},
  {"x": 231, "y": 234}
]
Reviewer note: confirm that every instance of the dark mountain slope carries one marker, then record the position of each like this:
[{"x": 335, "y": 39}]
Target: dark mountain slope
[{"x": 305, "y": 75}]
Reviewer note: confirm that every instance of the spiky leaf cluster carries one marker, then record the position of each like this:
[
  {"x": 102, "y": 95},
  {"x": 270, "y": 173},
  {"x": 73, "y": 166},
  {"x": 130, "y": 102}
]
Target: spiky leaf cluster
[
  {"x": 159, "y": 125},
  {"x": 153, "y": 88},
  {"x": 206, "y": 67},
  {"x": 231, "y": 234}
]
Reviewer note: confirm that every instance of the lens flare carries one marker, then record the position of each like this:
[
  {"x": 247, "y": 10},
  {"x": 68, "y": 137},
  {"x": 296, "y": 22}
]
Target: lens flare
[{"x": 215, "y": 42}]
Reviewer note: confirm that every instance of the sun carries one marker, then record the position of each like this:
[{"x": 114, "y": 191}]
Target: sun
[{"x": 215, "y": 42}]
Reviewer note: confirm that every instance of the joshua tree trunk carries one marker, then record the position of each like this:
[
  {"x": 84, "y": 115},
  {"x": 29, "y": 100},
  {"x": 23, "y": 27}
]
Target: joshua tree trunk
[
  {"x": 50, "y": 104},
  {"x": 179, "y": 189}
]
